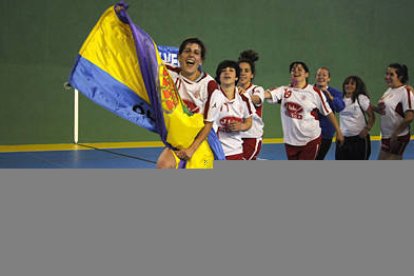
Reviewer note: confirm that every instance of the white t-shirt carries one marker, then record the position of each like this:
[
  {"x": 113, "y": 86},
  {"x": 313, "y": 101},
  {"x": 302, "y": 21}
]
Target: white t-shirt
[
  {"x": 299, "y": 112},
  {"x": 200, "y": 96},
  {"x": 397, "y": 101},
  {"x": 256, "y": 131},
  {"x": 235, "y": 110},
  {"x": 351, "y": 118}
]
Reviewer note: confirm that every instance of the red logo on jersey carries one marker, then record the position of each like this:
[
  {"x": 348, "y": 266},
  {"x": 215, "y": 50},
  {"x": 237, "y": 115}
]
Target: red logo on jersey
[
  {"x": 294, "y": 110},
  {"x": 196, "y": 94},
  {"x": 226, "y": 121},
  {"x": 287, "y": 93}
]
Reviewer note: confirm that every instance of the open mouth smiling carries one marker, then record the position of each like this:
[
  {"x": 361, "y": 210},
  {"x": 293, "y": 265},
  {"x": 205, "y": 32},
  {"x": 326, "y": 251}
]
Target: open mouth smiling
[{"x": 190, "y": 61}]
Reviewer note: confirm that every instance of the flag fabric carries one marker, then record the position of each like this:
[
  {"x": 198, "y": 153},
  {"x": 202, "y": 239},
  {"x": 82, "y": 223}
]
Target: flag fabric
[{"x": 119, "y": 68}]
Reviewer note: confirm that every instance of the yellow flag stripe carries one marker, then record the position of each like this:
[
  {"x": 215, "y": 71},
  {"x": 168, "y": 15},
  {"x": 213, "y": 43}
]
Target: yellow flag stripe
[{"x": 110, "y": 46}]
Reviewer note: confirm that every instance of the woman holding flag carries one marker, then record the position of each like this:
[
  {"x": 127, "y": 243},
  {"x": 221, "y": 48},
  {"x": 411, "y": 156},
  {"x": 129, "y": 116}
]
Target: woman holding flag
[
  {"x": 200, "y": 94},
  {"x": 119, "y": 68}
]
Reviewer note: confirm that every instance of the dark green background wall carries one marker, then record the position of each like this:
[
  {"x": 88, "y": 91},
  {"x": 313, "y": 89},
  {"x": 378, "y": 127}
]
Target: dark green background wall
[{"x": 40, "y": 40}]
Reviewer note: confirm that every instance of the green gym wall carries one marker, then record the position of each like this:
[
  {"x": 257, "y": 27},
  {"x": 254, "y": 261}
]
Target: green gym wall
[{"x": 40, "y": 40}]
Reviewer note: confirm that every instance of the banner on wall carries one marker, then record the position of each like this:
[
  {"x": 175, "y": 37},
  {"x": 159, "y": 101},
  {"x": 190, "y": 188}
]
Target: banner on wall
[{"x": 169, "y": 54}]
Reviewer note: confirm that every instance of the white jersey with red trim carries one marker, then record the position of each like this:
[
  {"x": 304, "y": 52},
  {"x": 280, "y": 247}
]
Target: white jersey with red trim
[
  {"x": 200, "y": 96},
  {"x": 299, "y": 112},
  {"x": 256, "y": 131},
  {"x": 235, "y": 110},
  {"x": 351, "y": 118},
  {"x": 397, "y": 101}
]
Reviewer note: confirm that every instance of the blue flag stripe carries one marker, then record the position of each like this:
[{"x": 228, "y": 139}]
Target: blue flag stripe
[{"x": 111, "y": 94}]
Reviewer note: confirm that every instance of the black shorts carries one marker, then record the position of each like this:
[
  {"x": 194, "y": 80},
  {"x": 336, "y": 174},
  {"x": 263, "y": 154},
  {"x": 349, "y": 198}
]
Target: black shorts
[{"x": 397, "y": 147}]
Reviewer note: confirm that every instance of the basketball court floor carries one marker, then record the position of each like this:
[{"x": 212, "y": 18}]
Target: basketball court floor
[{"x": 122, "y": 155}]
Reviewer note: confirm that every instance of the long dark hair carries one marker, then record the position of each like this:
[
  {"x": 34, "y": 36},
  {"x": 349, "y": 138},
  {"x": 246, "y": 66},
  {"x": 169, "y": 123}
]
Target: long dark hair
[
  {"x": 401, "y": 70},
  {"x": 250, "y": 57},
  {"x": 360, "y": 89}
]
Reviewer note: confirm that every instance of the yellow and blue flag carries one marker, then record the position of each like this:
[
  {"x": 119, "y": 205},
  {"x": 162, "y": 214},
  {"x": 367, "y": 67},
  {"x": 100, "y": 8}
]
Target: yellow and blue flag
[{"x": 119, "y": 67}]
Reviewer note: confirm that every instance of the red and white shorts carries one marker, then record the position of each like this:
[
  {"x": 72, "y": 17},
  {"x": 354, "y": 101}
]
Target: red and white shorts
[
  {"x": 235, "y": 157},
  {"x": 306, "y": 152},
  {"x": 251, "y": 148}
]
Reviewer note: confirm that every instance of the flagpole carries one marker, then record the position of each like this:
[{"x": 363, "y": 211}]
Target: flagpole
[{"x": 76, "y": 117}]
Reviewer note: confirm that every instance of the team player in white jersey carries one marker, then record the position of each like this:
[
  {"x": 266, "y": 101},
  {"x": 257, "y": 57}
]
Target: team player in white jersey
[
  {"x": 252, "y": 138},
  {"x": 235, "y": 114},
  {"x": 353, "y": 121},
  {"x": 300, "y": 103},
  {"x": 396, "y": 108},
  {"x": 200, "y": 93}
]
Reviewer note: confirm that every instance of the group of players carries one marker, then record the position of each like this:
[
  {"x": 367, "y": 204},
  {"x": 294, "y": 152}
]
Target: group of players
[{"x": 232, "y": 105}]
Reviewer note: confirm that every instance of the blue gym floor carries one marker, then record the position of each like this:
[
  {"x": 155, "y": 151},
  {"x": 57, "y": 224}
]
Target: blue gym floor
[{"x": 132, "y": 157}]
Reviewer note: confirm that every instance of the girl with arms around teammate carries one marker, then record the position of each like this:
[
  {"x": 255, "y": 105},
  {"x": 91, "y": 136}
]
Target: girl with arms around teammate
[{"x": 396, "y": 108}]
